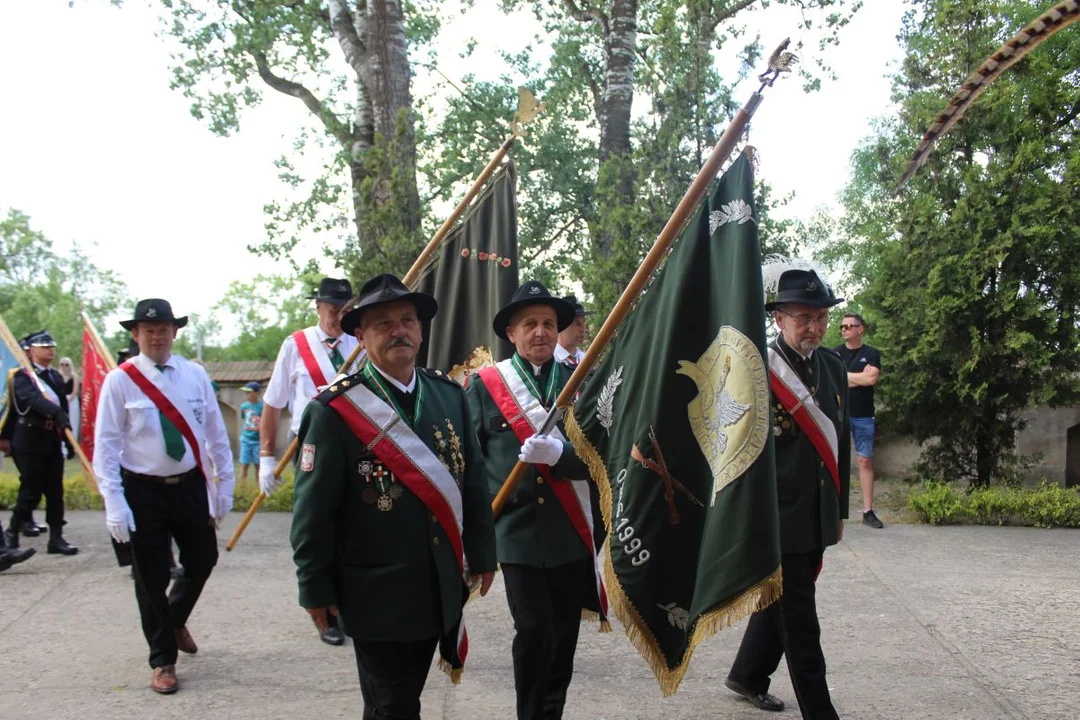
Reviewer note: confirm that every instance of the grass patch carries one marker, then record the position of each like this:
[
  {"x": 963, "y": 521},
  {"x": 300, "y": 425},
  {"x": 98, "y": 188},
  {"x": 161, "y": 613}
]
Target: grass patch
[{"x": 79, "y": 494}]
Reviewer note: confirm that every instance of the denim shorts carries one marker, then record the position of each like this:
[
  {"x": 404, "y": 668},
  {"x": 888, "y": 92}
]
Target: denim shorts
[
  {"x": 249, "y": 452},
  {"x": 862, "y": 428}
]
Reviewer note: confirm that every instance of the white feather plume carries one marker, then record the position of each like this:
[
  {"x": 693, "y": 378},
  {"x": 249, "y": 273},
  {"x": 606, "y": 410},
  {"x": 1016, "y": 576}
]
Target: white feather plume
[{"x": 773, "y": 266}]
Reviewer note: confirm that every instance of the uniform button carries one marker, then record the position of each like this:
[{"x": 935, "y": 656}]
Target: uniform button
[
  {"x": 434, "y": 541},
  {"x": 434, "y": 518},
  {"x": 822, "y": 483},
  {"x": 539, "y": 481},
  {"x": 540, "y": 500}
]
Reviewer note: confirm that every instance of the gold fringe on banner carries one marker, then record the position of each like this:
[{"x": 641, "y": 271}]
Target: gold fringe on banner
[{"x": 755, "y": 598}]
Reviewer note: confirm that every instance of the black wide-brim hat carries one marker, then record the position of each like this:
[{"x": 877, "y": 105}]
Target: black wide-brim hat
[
  {"x": 533, "y": 292},
  {"x": 382, "y": 290},
  {"x": 153, "y": 310},
  {"x": 579, "y": 309},
  {"x": 335, "y": 291},
  {"x": 803, "y": 287}
]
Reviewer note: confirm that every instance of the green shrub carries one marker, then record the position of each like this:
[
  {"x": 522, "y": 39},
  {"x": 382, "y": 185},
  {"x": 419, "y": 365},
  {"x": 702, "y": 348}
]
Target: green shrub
[
  {"x": 1045, "y": 506},
  {"x": 9, "y": 490},
  {"x": 937, "y": 503}
]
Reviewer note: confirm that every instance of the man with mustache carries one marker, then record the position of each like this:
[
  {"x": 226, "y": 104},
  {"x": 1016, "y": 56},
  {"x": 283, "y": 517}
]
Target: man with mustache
[
  {"x": 307, "y": 363},
  {"x": 809, "y": 395},
  {"x": 391, "y": 513},
  {"x": 544, "y": 535}
]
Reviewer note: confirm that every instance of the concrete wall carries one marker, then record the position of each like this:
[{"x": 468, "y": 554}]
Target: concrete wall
[{"x": 1047, "y": 433}]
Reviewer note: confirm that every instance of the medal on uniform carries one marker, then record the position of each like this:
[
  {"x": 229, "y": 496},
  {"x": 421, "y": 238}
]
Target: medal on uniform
[
  {"x": 383, "y": 479},
  {"x": 366, "y": 468}
]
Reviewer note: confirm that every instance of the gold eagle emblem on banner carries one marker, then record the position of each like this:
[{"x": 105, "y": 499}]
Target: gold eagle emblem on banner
[{"x": 730, "y": 414}]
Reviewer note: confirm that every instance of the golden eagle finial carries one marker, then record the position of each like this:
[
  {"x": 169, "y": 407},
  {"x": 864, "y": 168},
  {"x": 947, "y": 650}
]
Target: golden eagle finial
[
  {"x": 528, "y": 109},
  {"x": 779, "y": 62}
]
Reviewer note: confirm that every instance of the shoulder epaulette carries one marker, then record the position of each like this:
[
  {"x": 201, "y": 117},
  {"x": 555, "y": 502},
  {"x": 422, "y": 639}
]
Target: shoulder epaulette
[
  {"x": 439, "y": 375},
  {"x": 337, "y": 387}
]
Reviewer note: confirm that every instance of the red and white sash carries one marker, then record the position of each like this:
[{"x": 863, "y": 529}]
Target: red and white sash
[
  {"x": 526, "y": 416},
  {"x": 316, "y": 359},
  {"x": 792, "y": 393},
  {"x": 153, "y": 383},
  {"x": 394, "y": 443}
]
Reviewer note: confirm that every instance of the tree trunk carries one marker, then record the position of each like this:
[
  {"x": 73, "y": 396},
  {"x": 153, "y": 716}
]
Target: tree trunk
[
  {"x": 613, "y": 250},
  {"x": 620, "y": 47}
]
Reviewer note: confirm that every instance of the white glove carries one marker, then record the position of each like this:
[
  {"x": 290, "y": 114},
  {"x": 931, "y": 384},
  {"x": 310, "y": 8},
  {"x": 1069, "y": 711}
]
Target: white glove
[
  {"x": 267, "y": 482},
  {"x": 224, "y": 506},
  {"x": 119, "y": 518},
  {"x": 541, "y": 450}
]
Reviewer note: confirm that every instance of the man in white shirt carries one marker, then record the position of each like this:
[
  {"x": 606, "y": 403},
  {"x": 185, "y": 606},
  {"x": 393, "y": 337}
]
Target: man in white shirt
[
  {"x": 568, "y": 350},
  {"x": 308, "y": 361},
  {"x": 158, "y": 431}
]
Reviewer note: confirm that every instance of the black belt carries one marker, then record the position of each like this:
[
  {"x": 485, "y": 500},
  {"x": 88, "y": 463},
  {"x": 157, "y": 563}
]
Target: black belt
[
  {"x": 191, "y": 474},
  {"x": 36, "y": 424}
]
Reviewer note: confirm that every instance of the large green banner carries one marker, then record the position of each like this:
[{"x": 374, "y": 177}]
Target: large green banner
[{"x": 676, "y": 430}]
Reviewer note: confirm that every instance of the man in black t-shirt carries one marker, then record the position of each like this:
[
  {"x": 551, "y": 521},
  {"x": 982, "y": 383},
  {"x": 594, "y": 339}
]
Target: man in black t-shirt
[{"x": 864, "y": 368}]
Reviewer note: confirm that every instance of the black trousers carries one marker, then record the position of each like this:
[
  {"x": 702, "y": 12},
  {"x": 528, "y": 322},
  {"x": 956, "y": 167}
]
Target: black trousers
[
  {"x": 392, "y": 676},
  {"x": 789, "y": 627},
  {"x": 41, "y": 474},
  {"x": 183, "y": 512},
  {"x": 546, "y": 605}
]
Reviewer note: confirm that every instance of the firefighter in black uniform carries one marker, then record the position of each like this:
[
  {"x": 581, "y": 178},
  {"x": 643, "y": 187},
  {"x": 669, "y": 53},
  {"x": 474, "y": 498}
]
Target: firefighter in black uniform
[{"x": 40, "y": 417}]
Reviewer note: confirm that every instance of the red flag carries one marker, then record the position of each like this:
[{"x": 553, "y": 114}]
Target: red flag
[{"x": 94, "y": 368}]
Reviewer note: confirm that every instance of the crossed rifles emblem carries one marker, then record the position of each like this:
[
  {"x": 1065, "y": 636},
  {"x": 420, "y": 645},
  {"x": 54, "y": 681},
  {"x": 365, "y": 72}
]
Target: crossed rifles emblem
[{"x": 671, "y": 485}]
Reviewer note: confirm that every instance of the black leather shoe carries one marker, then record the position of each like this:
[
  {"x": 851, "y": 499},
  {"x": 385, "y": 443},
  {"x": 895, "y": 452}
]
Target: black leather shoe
[
  {"x": 14, "y": 557},
  {"x": 333, "y": 636},
  {"x": 764, "y": 700},
  {"x": 11, "y": 540},
  {"x": 60, "y": 546},
  {"x": 30, "y": 529}
]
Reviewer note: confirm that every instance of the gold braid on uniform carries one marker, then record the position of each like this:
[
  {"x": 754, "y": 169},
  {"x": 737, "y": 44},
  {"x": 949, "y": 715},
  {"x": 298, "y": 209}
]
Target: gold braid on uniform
[{"x": 753, "y": 599}]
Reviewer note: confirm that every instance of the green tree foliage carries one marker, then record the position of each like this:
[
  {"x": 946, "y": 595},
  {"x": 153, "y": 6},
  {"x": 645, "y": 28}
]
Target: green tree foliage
[
  {"x": 635, "y": 103},
  {"x": 267, "y": 309},
  {"x": 40, "y": 288},
  {"x": 346, "y": 63},
  {"x": 969, "y": 272}
]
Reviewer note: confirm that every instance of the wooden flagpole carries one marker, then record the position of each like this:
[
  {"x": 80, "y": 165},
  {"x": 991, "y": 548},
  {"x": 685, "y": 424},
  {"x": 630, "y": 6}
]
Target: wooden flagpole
[
  {"x": 779, "y": 62},
  {"x": 524, "y": 116},
  {"x": 24, "y": 361}
]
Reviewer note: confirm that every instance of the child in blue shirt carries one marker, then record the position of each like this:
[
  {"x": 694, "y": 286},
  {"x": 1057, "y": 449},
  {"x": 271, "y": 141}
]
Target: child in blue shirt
[{"x": 250, "y": 420}]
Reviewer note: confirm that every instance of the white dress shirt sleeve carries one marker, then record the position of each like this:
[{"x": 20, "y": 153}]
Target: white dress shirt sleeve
[
  {"x": 109, "y": 435},
  {"x": 217, "y": 438},
  {"x": 279, "y": 390}
]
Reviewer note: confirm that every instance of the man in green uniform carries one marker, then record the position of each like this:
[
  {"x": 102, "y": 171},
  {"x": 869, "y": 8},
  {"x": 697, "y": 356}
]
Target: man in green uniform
[
  {"x": 391, "y": 511},
  {"x": 544, "y": 534},
  {"x": 809, "y": 393}
]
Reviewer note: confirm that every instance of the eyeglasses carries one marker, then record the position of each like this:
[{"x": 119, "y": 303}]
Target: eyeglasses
[
  {"x": 803, "y": 321},
  {"x": 849, "y": 327}
]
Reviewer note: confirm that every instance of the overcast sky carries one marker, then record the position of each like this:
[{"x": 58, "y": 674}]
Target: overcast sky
[{"x": 96, "y": 148}]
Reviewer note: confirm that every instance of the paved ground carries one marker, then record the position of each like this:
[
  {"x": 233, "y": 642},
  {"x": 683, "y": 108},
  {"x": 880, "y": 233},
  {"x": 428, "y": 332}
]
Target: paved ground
[{"x": 919, "y": 622}]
